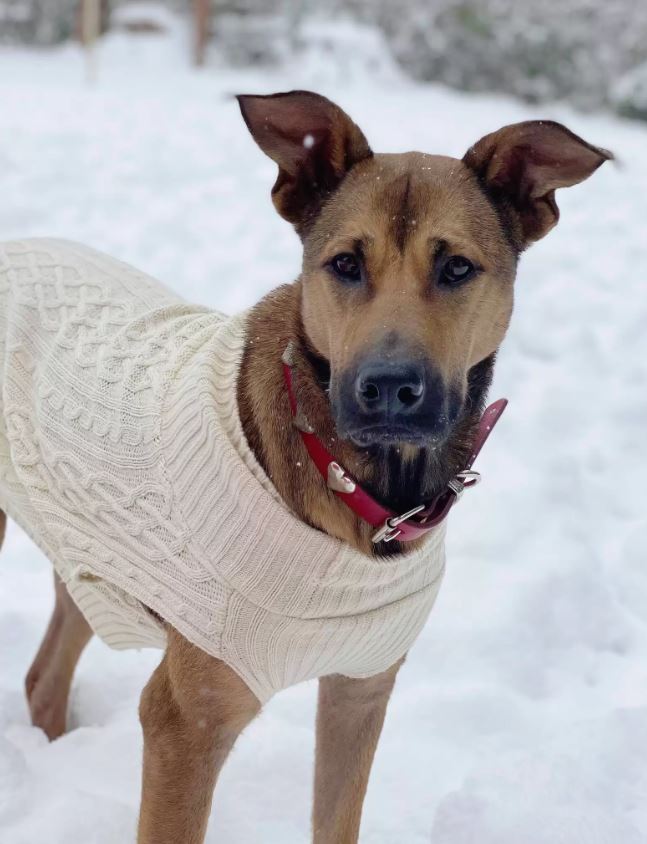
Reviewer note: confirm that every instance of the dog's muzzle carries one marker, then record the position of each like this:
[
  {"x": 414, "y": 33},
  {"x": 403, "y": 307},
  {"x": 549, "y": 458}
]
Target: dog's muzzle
[{"x": 382, "y": 401}]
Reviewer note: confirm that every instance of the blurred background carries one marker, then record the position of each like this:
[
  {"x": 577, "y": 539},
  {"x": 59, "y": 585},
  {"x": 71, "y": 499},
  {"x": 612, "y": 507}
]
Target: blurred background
[
  {"x": 520, "y": 716},
  {"x": 589, "y": 52}
]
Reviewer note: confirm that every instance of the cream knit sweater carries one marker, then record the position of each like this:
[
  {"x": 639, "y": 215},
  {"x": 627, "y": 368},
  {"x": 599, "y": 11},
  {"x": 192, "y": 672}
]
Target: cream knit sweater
[{"x": 123, "y": 456}]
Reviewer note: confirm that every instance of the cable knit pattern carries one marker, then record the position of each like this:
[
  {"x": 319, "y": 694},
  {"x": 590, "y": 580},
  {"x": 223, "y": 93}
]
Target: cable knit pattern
[{"x": 122, "y": 455}]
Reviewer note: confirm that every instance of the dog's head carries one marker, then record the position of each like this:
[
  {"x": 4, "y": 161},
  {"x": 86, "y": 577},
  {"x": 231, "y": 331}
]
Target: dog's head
[{"x": 409, "y": 260}]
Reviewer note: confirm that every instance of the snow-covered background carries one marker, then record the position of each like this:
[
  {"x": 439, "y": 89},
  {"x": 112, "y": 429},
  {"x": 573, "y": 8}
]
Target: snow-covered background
[{"x": 520, "y": 716}]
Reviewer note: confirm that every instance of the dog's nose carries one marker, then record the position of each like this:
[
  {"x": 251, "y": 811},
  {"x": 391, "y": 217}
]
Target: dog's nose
[{"x": 390, "y": 388}]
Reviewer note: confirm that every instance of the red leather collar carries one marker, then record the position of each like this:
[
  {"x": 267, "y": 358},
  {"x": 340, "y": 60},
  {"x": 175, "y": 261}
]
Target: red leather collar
[{"x": 389, "y": 525}]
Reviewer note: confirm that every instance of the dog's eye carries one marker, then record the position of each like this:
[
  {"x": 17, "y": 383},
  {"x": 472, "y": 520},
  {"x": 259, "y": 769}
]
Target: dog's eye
[
  {"x": 347, "y": 267},
  {"x": 456, "y": 270}
]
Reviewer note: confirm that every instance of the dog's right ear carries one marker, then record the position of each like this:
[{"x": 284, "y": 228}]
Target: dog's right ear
[{"x": 314, "y": 144}]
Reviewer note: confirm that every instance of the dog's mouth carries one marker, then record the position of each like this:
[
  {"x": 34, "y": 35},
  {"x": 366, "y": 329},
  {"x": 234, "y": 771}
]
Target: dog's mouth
[{"x": 387, "y": 435}]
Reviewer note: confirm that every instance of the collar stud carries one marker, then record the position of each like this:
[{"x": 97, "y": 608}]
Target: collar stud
[{"x": 338, "y": 480}]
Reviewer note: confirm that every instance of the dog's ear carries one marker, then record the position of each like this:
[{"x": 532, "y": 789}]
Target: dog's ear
[
  {"x": 313, "y": 142},
  {"x": 523, "y": 165}
]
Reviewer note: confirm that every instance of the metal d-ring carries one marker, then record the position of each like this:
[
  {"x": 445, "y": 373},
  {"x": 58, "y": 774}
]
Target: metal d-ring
[
  {"x": 389, "y": 530},
  {"x": 464, "y": 480}
]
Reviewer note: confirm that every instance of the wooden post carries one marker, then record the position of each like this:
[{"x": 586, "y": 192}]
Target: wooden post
[
  {"x": 90, "y": 31},
  {"x": 202, "y": 16}
]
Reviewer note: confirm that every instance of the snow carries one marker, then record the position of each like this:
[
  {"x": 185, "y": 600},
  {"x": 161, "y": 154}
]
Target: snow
[
  {"x": 133, "y": 13},
  {"x": 521, "y": 713}
]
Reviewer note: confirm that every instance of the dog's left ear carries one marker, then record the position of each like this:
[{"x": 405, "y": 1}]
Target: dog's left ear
[
  {"x": 523, "y": 165},
  {"x": 313, "y": 142}
]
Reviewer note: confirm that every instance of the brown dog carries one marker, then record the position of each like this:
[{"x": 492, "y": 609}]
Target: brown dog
[{"x": 405, "y": 296}]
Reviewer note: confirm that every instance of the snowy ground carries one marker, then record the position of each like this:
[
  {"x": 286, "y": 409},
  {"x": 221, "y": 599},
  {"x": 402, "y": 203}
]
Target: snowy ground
[{"x": 521, "y": 714}]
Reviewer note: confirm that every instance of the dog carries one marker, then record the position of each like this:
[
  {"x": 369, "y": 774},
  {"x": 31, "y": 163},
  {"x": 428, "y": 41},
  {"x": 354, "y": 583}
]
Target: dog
[{"x": 265, "y": 495}]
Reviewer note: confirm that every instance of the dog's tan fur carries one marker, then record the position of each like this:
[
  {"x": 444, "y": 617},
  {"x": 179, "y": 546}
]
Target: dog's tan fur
[
  {"x": 192, "y": 710},
  {"x": 350, "y": 715},
  {"x": 49, "y": 679},
  {"x": 403, "y": 209}
]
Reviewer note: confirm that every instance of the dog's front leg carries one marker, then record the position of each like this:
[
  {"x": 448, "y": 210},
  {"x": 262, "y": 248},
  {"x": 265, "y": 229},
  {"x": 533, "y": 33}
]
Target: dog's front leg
[
  {"x": 350, "y": 716},
  {"x": 192, "y": 711}
]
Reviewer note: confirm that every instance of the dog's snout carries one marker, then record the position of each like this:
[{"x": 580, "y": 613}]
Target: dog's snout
[
  {"x": 389, "y": 398},
  {"x": 390, "y": 388}
]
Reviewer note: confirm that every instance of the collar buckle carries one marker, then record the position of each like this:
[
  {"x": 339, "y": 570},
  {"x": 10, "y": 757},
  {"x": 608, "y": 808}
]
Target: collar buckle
[{"x": 390, "y": 530}]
